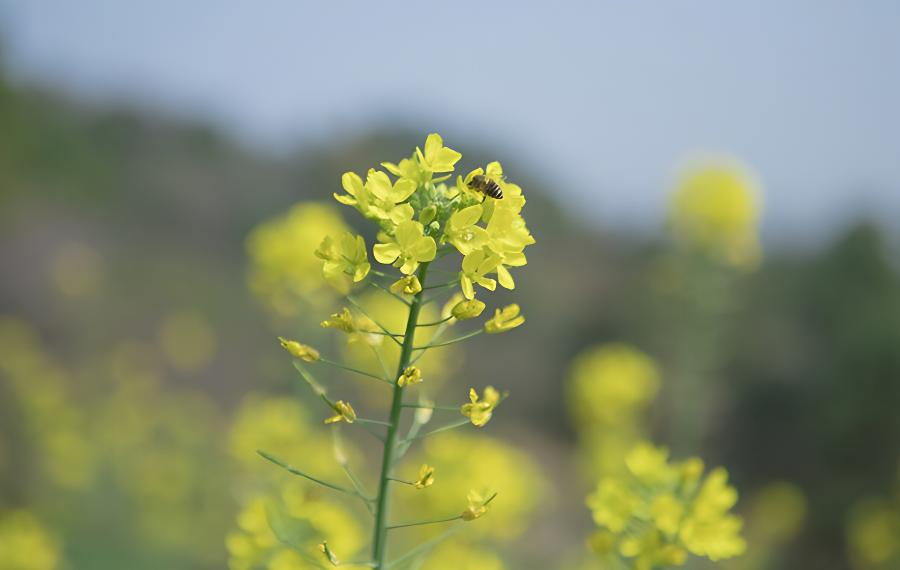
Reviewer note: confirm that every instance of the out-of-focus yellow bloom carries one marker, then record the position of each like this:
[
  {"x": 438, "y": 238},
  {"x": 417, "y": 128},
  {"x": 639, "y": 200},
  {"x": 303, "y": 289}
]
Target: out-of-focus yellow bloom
[
  {"x": 505, "y": 319},
  {"x": 407, "y": 248},
  {"x": 344, "y": 412},
  {"x": 426, "y": 477},
  {"x": 715, "y": 210},
  {"x": 329, "y": 555},
  {"x": 187, "y": 341},
  {"x": 284, "y": 269},
  {"x": 462, "y": 555},
  {"x": 304, "y": 352},
  {"x": 346, "y": 257},
  {"x": 610, "y": 383},
  {"x": 479, "y": 411},
  {"x": 468, "y": 461},
  {"x": 342, "y": 321},
  {"x": 25, "y": 544},
  {"x": 684, "y": 518},
  {"x": 463, "y": 232},
  {"x": 437, "y": 157},
  {"x": 777, "y": 511},
  {"x": 406, "y": 285},
  {"x": 411, "y": 375},
  {"x": 475, "y": 268},
  {"x": 467, "y": 309},
  {"x": 477, "y": 507},
  {"x": 873, "y": 534}
]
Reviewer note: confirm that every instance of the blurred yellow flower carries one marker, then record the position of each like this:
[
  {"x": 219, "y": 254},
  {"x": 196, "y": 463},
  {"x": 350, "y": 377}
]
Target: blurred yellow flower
[
  {"x": 426, "y": 477},
  {"x": 411, "y": 375},
  {"x": 76, "y": 269},
  {"x": 25, "y": 544},
  {"x": 342, "y": 321},
  {"x": 344, "y": 412},
  {"x": 715, "y": 210},
  {"x": 478, "y": 505},
  {"x": 284, "y": 270},
  {"x": 873, "y": 534},
  {"x": 480, "y": 410},
  {"x": 304, "y": 352},
  {"x": 504, "y": 319},
  {"x": 684, "y": 518}
]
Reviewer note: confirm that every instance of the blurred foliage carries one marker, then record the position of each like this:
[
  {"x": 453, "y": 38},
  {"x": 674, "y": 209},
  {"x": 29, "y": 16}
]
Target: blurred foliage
[{"x": 133, "y": 356}]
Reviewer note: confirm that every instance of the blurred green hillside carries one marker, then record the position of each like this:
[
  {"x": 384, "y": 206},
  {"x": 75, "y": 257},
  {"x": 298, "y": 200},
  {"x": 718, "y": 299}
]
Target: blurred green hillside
[{"x": 116, "y": 221}]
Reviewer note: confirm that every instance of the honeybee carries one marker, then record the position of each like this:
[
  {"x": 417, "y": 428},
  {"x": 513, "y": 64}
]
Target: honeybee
[{"x": 486, "y": 186}]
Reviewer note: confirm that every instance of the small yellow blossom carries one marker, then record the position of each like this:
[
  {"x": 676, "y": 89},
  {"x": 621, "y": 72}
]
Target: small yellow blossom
[
  {"x": 408, "y": 247},
  {"x": 479, "y": 411},
  {"x": 344, "y": 412},
  {"x": 463, "y": 232},
  {"x": 504, "y": 319},
  {"x": 342, "y": 321},
  {"x": 411, "y": 375},
  {"x": 408, "y": 285},
  {"x": 478, "y": 505},
  {"x": 329, "y": 555},
  {"x": 297, "y": 350},
  {"x": 347, "y": 257},
  {"x": 437, "y": 157},
  {"x": 467, "y": 309},
  {"x": 475, "y": 268},
  {"x": 378, "y": 199},
  {"x": 426, "y": 477}
]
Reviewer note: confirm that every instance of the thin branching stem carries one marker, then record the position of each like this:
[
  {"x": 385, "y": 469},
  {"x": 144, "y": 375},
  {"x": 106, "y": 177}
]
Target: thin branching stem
[
  {"x": 295, "y": 471},
  {"x": 354, "y": 370},
  {"x": 357, "y": 304},
  {"x": 448, "y": 427},
  {"x": 424, "y": 547},
  {"x": 424, "y": 407},
  {"x": 435, "y": 323},
  {"x": 391, "y": 293},
  {"x": 449, "y": 342},
  {"x": 422, "y": 523}
]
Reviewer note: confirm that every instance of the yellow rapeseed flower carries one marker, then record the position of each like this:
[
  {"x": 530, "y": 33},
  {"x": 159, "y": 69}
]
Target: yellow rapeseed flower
[
  {"x": 480, "y": 410},
  {"x": 346, "y": 257},
  {"x": 475, "y": 268},
  {"x": 411, "y": 375},
  {"x": 504, "y": 319},
  {"x": 467, "y": 309},
  {"x": 406, "y": 285},
  {"x": 304, "y": 352},
  {"x": 426, "y": 477},
  {"x": 342, "y": 321},
  {"x": 463, "y": 232},
  {"x": 437, "y": 157},
  {"x": 344, "y": 412},
  {"x": 407, "y": 248},
  {"x": 477, "y": 507}
]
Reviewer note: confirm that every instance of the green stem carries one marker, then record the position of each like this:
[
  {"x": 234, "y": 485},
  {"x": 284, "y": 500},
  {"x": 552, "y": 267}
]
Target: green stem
[
  {"x": 436, "y": 521},
  {"x": 451, "y": 341},
  {"x": 379, "y": 539},
  {"x": 293, "y": 470},
  {"x": 354, "y": 370},
  {"x": 448, "y": 427}
]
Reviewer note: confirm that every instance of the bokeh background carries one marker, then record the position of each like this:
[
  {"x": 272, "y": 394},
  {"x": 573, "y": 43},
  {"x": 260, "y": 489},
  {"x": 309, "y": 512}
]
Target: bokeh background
[{"x": 713, "y": 188}]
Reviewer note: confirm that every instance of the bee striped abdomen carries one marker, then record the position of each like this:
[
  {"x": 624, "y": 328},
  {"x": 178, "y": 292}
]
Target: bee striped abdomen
[{"x": 486, "y": 186}]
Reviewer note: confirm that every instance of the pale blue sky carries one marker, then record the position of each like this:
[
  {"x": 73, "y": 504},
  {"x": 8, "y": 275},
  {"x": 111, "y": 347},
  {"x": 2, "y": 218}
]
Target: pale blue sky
[{"x": 605, "y": 97}]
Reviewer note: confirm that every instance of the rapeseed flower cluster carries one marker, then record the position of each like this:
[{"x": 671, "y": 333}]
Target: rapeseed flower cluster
[
  {"x": 715, "y": 210},
  {"x": 657, "y": 512},
  {"x": 393, "y": 329}
]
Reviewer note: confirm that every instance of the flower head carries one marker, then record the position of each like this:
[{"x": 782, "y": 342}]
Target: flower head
[
  {"x": 437, "y": 157},
  {"x": 408, "y": 247},
  {"x": 475, "y": 268},
  {"x": 342, "y": 321},
  {"x": 378, "y": 198},
  {"x": 504, "y": 319},
  {"x": 346, "y": 257},
  {"x": 344, "y": 412},
  {"x": 407, "y": 285},
  {"x": 478, "y": 505},
  {"x": 656, "y": 515},
  {"x": 463, "y": 232},
  {"x": 480, "y": 410},
  {"x": 426, "y": 477},
  {"x": 304, "y": 352},
  {"x": 411, "y": 375}
]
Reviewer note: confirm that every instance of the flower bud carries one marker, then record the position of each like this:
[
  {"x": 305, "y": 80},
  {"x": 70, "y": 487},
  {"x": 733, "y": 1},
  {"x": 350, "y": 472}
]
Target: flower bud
[
  {"x": 297, "y": 350},
  {"x": 467, "y": 309}
]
